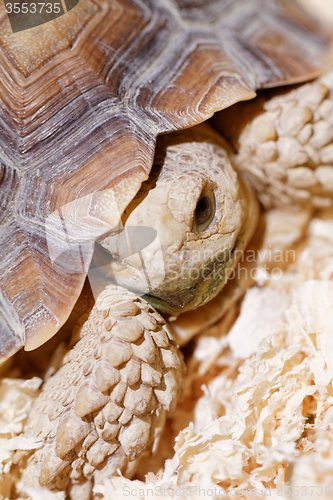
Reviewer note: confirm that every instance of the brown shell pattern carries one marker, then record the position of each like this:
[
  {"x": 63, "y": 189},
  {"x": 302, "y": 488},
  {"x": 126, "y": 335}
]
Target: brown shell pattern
[{"x": 82, "y": 99}]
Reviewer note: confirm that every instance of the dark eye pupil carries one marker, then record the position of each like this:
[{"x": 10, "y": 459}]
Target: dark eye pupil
[{"x": 203, "y": 210}]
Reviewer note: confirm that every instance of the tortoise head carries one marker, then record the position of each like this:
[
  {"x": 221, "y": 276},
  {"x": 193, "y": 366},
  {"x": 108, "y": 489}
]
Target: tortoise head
[{"x": 200, "y": 215}]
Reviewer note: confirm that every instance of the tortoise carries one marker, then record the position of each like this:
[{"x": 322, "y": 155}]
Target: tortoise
[{"x": 83, "y": 100}]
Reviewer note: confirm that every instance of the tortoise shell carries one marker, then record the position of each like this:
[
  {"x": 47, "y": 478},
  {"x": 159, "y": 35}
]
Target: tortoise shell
[{"x": 82, "y": 100}]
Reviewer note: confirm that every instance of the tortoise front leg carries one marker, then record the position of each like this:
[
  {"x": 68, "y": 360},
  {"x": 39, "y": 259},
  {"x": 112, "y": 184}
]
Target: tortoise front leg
[
  {"x": 285, "y": 144},
  {"x": 107, "y": 403}
]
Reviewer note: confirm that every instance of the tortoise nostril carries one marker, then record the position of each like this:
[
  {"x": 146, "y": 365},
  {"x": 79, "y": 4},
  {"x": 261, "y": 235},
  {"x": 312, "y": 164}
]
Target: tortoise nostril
[{"x": 204, "y": 212}]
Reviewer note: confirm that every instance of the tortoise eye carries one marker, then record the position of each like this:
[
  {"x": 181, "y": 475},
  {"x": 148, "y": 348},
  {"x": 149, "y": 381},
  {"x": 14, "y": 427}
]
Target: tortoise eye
[{"x": 204, "y": 211}]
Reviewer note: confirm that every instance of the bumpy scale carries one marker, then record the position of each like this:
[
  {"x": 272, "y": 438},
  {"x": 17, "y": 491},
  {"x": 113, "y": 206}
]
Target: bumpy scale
[
  {"x": 286, "y": 152},
  {"x": 108, "y": 401}
]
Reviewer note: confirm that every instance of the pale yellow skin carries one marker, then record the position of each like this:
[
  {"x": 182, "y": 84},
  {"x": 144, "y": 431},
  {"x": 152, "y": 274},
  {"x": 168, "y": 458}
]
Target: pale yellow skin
[{"x": 196, "y": 258}]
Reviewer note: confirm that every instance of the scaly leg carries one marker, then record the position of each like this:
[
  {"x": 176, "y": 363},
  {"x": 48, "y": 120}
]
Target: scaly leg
[
  {"x": 286, "y": 151},
  {"x": 108, "y": 401}
]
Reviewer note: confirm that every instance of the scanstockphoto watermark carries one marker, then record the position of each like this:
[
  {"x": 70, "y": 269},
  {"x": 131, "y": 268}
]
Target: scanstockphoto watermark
[
  {"x": 307, "y": 491},
  {"x": 245, "y": 263},
  {"x": 134, "y": 254},
  {"x": 197, "y": 491}
]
